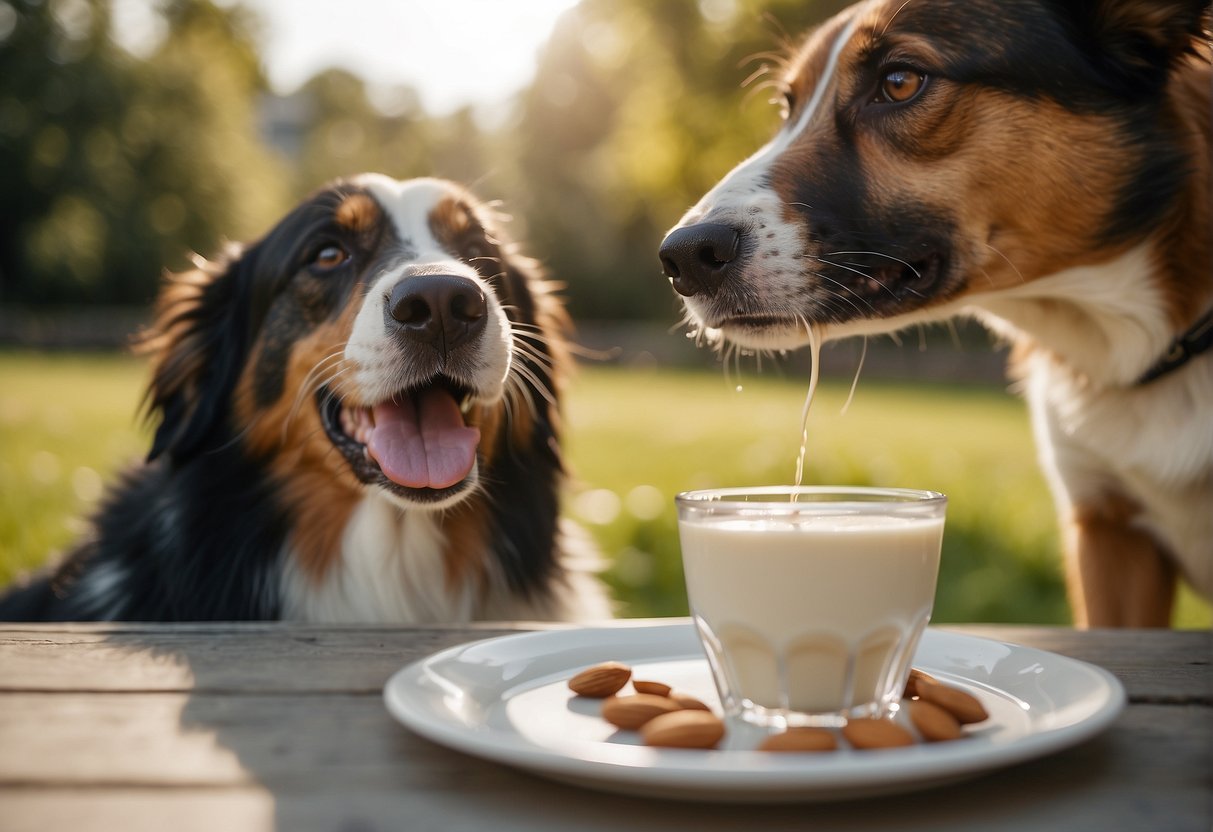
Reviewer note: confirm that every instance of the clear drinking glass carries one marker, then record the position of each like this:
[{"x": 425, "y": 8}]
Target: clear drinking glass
[{"x": 810, "y": 601}]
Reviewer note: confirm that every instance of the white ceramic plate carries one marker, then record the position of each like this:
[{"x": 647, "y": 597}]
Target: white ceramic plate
[{"x": 506, "y": 699}]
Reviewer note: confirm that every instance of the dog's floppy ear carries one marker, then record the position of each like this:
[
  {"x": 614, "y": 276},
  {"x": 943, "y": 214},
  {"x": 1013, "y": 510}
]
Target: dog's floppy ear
[
  {"x": 1135, "y": 43},
  {"x": 197, "y": 341}
]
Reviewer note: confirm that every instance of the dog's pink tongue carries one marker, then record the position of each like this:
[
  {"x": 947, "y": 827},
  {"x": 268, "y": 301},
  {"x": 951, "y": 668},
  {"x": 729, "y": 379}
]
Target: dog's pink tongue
[{"x": 422, "y": 442}]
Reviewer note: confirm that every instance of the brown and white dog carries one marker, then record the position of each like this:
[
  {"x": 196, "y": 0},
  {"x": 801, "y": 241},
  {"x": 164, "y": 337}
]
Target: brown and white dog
[
  {"x": 358, "y": 421},
  {"x": 1045, "y": 166}
]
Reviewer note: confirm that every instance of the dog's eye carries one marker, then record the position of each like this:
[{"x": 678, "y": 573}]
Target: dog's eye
[
  {"x": 900, "y": 85},
  {"x": 329, "y": 257}
]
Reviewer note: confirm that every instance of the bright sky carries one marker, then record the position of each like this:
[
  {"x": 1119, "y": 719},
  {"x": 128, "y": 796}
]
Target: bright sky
[{"x": 453, "y": 52}]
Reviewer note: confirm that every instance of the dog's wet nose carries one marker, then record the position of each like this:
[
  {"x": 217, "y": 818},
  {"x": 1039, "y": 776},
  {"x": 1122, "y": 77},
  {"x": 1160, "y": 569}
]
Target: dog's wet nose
[
  {"x": 442, "y": 310},
  {"x": 697, "y": 258}
]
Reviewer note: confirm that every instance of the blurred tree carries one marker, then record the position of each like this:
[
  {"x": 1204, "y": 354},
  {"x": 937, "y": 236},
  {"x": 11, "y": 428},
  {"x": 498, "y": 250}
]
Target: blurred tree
[
  {"x": 343, "y": 132},
  {"x": 112, "y": 167},
  {"x": 636, "y": 110}
]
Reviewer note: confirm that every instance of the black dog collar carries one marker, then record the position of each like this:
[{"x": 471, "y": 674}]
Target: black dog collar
[{"x": 1196, "y": 340}]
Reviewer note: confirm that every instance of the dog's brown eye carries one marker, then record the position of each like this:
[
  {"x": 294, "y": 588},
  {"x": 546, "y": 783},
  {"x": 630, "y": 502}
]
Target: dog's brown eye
[
  {"x": 329, "y": 257},
  {"x": 900, "y": 85}
]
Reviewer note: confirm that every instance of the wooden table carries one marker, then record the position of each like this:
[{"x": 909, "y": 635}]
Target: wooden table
[{"x": 273, "y": 726}]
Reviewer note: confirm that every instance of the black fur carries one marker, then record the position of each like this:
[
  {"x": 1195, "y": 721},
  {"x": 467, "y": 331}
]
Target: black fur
[{"x": 193, "y": 533}]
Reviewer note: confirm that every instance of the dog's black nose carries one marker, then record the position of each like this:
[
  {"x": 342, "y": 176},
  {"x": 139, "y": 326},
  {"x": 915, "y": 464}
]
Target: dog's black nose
[
  {"x": 442, "y": 310},
  {"x": 698, "y": 257}
]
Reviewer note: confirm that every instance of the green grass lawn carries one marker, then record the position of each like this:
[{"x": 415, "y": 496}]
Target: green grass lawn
[{"x": 635, "y": 438}]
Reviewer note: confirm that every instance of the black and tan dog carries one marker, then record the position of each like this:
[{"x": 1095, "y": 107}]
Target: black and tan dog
[
  {"x": 357, "y": 422},
  {"x": 1045, "y": 166}
]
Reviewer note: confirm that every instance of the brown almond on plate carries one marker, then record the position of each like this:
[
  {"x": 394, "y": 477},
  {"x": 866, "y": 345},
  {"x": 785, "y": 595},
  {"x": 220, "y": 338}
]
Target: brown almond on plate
[
  {"x": 933, "y": 722},
  {"x": 963, "y": 706},
  {"x": 601, "y": 680},
  {"x": 690, "y": 703},
  {"x": 631, "y": 712},
  {"x": 655, "y": 688},
  {"x": 912, "y": 682},
  {"x": 876, "y": 733},
  {"x": 800, "y": 739},
  {"x": 683, "y": 729}
]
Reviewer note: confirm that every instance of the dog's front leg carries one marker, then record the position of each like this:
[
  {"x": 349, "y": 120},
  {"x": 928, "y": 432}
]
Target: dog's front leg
[{"x": 1118, "y": 575}]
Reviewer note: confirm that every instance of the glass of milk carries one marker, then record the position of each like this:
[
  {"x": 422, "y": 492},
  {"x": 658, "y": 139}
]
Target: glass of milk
[{"x": 810, "y": 601}]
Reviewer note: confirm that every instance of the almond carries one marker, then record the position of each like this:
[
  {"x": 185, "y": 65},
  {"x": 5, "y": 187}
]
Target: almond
[
  {"x": 912, "y": 682},
  {"x": 630, "y": 712},
  {"x": 690, "y": 703},
  {"x": 800, "y": 739},
  {"x": 876, "y": 733},
  {"x": 933, "y": 722},
  {"x": 683, "y": 729},
  {"x": 655, "y": 688},
  {"x": 963, "y": 706},
  {"x": 601, "y": 680}
]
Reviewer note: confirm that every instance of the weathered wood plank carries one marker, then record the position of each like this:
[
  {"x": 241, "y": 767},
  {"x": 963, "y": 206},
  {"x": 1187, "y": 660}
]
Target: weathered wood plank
[
  {"x": 273, "y": 726},
  {"x": 1160, "y": 666},
  {"x": 217, "y": 658},
  {"x": 1155, "y": 666},
  {"x": 355, "y": 774}
]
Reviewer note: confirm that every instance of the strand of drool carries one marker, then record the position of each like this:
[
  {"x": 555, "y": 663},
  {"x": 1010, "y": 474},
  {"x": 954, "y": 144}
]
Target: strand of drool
[{"x": 815, "y": 356}]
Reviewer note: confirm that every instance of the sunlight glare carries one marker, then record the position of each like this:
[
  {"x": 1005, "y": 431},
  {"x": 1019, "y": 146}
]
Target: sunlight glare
[{"x": 455, "y": 53}]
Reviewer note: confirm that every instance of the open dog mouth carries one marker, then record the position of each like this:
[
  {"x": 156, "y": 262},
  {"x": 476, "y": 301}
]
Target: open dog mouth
[{"x": 416, "y": 443}]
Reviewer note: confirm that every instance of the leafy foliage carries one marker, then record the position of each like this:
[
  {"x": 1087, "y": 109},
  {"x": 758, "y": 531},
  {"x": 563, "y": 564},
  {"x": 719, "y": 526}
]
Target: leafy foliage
[
  {"x": 113, "y": 167},
  {"x": 637, "y": 109}
]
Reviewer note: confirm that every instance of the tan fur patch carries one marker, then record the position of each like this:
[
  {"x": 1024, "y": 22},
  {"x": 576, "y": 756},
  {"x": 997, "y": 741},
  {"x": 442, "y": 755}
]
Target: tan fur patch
[
  {"x": 466, "y": 545},
  {"x": 318, "y": 487},
  {"x": 1125, "y": 577},
  {"x": 450, "y": 220},
  {"x": 173, "y": 340},
  {"x": 1187, "y": 257},
  {"x": 359, "y": 213}
]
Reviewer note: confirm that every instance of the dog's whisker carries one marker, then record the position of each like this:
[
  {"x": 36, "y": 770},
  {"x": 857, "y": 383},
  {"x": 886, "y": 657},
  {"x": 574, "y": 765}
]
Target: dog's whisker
[
  {"x": 877, "y": 254},
  {"x": 889, "y": 22},
  {"x": 308, "y": 388},
  {"x": 535, "y": 382},
  {"x": 1018, "y": 273},
  {"x": 863, "y": 354},
  {"x": 310, "y": 384},
  {"x": 319, "y": 366},
  {"x": 516, "y": 388},
  {"x": 533, "y": 340},
  {"x": 864, "y": 275},
  {"x": 843, "y": 286},
  {"x": 541, "y": 361}
]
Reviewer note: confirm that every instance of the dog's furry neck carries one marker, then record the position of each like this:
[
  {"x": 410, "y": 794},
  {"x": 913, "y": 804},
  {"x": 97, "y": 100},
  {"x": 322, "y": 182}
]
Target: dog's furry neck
[{"x": 1107, "y": 323}]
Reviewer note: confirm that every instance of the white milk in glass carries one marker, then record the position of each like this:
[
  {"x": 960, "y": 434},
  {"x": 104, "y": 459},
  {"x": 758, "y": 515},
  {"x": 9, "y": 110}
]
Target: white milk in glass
[{"x": 816, "y": 613}]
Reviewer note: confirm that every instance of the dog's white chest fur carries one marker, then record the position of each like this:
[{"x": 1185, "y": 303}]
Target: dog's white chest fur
[
  {"x": 1153, "y": 445},
  {"x": 1097, "y": 432},
  {"x": 391, "y": 569}
]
